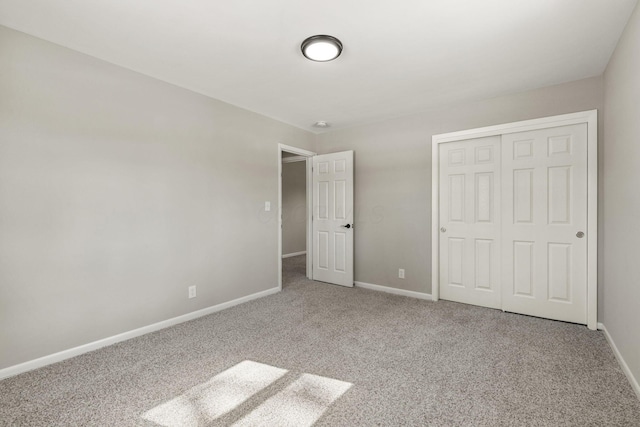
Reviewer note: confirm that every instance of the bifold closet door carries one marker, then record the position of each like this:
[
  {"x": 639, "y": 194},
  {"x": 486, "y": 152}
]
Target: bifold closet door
[
  {"x": 544, "y": 214},
  {"x": 469, "y": 218}
]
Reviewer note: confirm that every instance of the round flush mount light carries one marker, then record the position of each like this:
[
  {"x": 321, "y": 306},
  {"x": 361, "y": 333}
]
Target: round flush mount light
[
  {"x": 321, "y": 124},
  {"x": 321, "y": 48}
]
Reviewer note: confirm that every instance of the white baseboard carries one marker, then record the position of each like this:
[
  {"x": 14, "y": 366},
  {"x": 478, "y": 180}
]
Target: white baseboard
[
  {"x": 294, "y": 254},
  {"x": 85, "y": 348},
  {"x": 625, "y": 368},
  {"x": 395, "y": 291}
]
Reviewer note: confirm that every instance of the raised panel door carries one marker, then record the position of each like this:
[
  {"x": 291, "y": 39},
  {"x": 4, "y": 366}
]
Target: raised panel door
[
  {"x": 469, "y": 221},
  {"x": 333, "y": 218},
  {"x": 544, "y": 206}
]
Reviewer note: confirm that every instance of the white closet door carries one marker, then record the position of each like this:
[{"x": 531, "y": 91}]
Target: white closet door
[
  {"x": 544, "y": 208},
  {"x": 470, "y": 221}
]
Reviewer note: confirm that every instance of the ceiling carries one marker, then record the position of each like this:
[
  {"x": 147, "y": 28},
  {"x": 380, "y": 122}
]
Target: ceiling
[{"x": 399, "y": 58}]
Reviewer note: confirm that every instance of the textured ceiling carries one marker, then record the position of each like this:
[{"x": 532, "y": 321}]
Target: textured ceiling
[{"x": 399, "y": 57}]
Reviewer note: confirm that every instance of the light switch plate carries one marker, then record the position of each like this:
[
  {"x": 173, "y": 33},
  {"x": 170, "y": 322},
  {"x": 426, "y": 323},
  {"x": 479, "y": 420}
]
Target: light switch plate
[{"x": 267, "y": 206}]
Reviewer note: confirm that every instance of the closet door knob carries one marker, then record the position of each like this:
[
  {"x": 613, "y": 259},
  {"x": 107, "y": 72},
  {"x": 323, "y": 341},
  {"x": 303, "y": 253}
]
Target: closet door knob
[
  {"x": 443, "y": 229},
  {"x": 579, "y": 234}
]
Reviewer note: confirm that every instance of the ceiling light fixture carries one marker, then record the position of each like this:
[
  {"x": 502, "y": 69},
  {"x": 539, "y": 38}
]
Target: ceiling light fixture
[
  {"x": 321, "y": 48},
  {"x": 321, "y": 124}
]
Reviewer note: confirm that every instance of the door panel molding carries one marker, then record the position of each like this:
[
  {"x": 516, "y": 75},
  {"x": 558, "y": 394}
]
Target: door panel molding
[
  {"x": 333, "y": 218},
  {"x": 558, "y": 262},
  {"x": 470, "y": 212},
  {"x": 522, "y": 150}
]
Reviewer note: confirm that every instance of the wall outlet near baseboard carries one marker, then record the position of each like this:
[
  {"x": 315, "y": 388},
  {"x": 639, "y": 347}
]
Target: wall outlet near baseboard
[
  {"x": 192, "y": 291},
  {"x": 401, "y": 273}
]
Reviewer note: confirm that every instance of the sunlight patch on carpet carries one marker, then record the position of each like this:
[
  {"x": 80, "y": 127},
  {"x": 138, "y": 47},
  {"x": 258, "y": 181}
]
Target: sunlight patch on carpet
[
  {"x": 302, "y": 403},
  {"x": 218, "y": 396}
]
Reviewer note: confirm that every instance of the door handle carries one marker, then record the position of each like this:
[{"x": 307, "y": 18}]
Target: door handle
[
  {"x": 443, "y": 229},
  {"x": 580, "y": 234},
  {"x": 346, "y": 226}
]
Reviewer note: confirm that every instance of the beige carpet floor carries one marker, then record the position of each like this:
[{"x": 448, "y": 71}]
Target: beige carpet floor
[{"x": 326, "y": 355}]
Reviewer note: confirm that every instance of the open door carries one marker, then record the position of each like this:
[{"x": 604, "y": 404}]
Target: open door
[{"x": 333, "y": 218}]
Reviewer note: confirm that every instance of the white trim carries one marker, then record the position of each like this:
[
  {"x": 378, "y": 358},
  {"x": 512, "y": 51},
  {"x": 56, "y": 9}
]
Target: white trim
[
  {"x": 625, "y": 368},
  {"x": 435, "y": 219},
  {"x": 293, "y": 159},
  {"x": 294, "y": 254},
  {"x": 306, "y": 154},
  {"x": 588, "y": 117},
  {"x": 395, "y": 291},
  {"x": 522, "y": 126},
  {"x": 85, "y": 348},
  {"x": 310, "y": 218},
  {"x": 296, "y": 150},
  {"x": 592, "y": 219}
]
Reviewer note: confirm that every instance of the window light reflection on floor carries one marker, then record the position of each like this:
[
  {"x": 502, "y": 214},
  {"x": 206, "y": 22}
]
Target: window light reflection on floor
[
  {"x": 218, "y": 396},
  {"x": 301, "y": 403}
]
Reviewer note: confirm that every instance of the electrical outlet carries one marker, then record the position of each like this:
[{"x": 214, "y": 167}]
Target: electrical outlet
[
  {"x": 401, "y": 273},
  {"x": 192, "y": 291},
  {"x": 267, "y": 206}
]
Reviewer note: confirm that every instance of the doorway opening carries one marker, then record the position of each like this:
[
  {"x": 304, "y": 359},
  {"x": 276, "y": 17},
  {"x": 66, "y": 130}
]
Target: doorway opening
[{"x": 294, "y": 209}]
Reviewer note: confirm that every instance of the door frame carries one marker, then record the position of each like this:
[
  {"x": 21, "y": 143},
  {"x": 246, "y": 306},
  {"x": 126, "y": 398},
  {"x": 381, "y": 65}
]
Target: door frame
[
  {"x": 308, "y": 155},
  {"x": 591, "y": 119}
]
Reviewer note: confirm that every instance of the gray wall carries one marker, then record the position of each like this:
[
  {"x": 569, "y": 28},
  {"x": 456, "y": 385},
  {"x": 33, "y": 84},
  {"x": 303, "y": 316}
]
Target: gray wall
[
  {"x": 622, "y": 195},
  {"x": 393, "y": 175},
  {"x": 117, "y": 191},
  {"x": 294, "y": 207}
]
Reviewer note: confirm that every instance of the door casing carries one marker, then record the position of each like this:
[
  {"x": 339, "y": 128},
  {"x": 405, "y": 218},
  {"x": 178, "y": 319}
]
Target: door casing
[
  {"x": 591, "y": 119},
  {"x": 309, "y": 155}
]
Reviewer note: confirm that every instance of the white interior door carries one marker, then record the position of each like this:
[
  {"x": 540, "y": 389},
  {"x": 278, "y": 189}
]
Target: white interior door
[
  {"x": 544, "y": 194},
  {"x": 333, "y": 218},
  {"x": 470, "y": 221}
]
